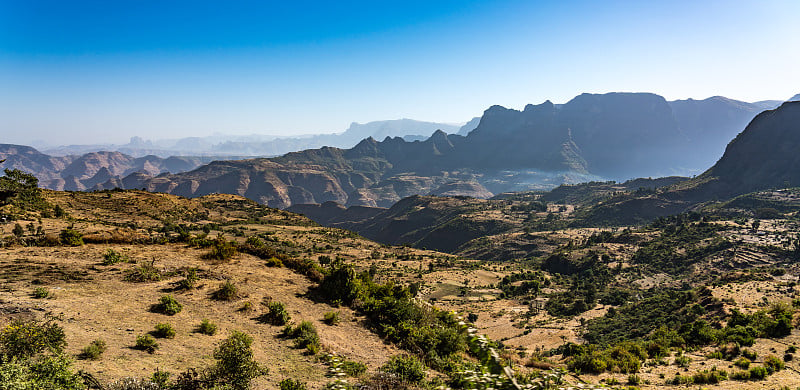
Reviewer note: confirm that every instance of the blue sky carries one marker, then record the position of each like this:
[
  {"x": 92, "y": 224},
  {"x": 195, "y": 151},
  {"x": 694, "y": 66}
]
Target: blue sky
[{"x": 103, "y": 71}]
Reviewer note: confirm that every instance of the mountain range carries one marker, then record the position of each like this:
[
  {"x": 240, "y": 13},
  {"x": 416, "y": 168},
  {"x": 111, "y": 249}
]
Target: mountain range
[
  {"x": 265, "y": 145},
  {"x": 592, "y": 137},
  {"x": 748, "y": 178}
]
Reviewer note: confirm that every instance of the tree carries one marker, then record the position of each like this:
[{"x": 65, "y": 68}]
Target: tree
[
  {"x": 20, "y": 186},
  {"x": 235, "y": 364}
]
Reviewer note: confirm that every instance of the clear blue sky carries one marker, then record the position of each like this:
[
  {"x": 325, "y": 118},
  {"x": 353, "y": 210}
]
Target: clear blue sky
[{"x": 103, "y": 71}]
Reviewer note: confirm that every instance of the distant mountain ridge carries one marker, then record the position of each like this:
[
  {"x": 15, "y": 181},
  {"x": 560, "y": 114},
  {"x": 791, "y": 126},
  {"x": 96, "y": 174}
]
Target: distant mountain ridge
[
  {"x": 615, "y": 135},
  {"x": 264, "y": 145},
  {"x": 85, "y": 172},
  {"x": 608, "y": 136}
]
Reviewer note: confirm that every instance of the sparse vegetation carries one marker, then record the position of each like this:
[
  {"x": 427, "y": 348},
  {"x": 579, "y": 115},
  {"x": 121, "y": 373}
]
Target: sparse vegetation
[
  {"x": 94, "y": 350},
  {"x": 235, "y": 365},
  {"x": 112, "y": 257},
  {"x": 207, "y": 327},
  {"x": 331, "y": 318},
  {"x": 41, "y": 293},
  {"x": 168, "y": 305},
  {"x": 164, "y": 331},
  {"x": 276, "y": 314},
  {"x": 147, "y": 343},
  {"x": 227, "y": 292}
]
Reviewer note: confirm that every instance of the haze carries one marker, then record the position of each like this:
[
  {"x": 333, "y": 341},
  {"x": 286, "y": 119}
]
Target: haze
[{"x": 93, "y": 72}]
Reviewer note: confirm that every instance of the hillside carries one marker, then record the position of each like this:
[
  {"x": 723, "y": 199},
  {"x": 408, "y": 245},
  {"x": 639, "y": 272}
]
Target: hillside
[{"x": 580, "y": 285}]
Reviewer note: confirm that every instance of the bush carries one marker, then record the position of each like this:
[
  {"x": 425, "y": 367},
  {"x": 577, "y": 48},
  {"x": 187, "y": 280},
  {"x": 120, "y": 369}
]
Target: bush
[
  {"x": 254, "y": 241},
  {"x": 147, "y": 343},
  {"x": 682, "y": 361},
  {"x": 40, "y": 293},
  {"x": 750, "y": 354},
  {"x": 634, "y": 380},
  {"x": 773, "y": 364},
  {"x": 741, "y": 375},
  {"x": 709, "y": 377},
  {"x": 112, "y": 257},
  {"x": 71, "y": 237},
  {"x": 189, "y": 281},
  {"x": 168, "y": 305},
  {"x": 23, "y": 339},
  {"x": 207, "y": 327},
  {"x": 305, "y": 336},
  {"x": 221, "y": 249},
  {"x": 291, "y": 384},
  {"x": 406, "y": 368},
  {"x": 235, "y": 365},
  {"x": 93, "y": 350},
  {"x": 43, "y": 372},
  {"x": 144, "y": 272},
  {"x": 742, "y": 362},
  {"x": 277, "y": 314},
  {"x": 758, "y": 372},
  {"x": 274, "y": 262},
  {"x": 164, "y": 331},
  {"x": 331, "y": 317},
  {"x": 227, "y": 292}
]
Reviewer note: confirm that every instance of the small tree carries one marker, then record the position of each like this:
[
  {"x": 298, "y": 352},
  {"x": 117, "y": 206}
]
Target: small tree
[{"x": 235, "y": 365}]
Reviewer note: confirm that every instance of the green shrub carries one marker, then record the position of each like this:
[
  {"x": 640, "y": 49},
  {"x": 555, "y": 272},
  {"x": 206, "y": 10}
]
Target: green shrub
[
  {"x": 634, "y": 380},
  {"x": 235, "y": 365},
  {"x": 189, "y": 281},
  {"x": 773, "y": 364},
  {"x": 147, "y": 343},
  {"x": 144, "y": 272},
  {"x": 274, "y": 262},
  {"x": 741, "y": 375},
  {"x": 758, "y": 372},
  {"x": 291, "y": 384},
  {"x": 750, "y": 354},
  {"x": 254, "y": 241},
  {"x": 221, "y": 249},
  {"x": 227, "y": 292},
  {"x": 742, "y": 362},
  {"x": 164, "y": 331},
  {"x": 112, "y": 257},
  {"x": 71, "y": 237},
  {"x": 353, "y": 368},
  {"x": 305, "y": 336},
  {"x": 168, "y": 305},
  {"x": 23, "y": 339},
  {"x": 41, "y": 293},
  {"x": 207, "y": 327},
  {"x": 277, "y": 314},
  {"x": 331, "y": 317},
  {"x": 160, "y": 378},
  {"x": 682, "y": 361},
  {"x": 42, "y": 372},
  {"x": 709, "y": 377},
  {"x": 406, "y": 368},
  {"x": 93, "y": 350}
]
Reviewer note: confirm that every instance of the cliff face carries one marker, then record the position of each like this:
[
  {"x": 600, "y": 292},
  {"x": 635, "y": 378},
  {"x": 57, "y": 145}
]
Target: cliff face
[{"x": 764, "y": 155}]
